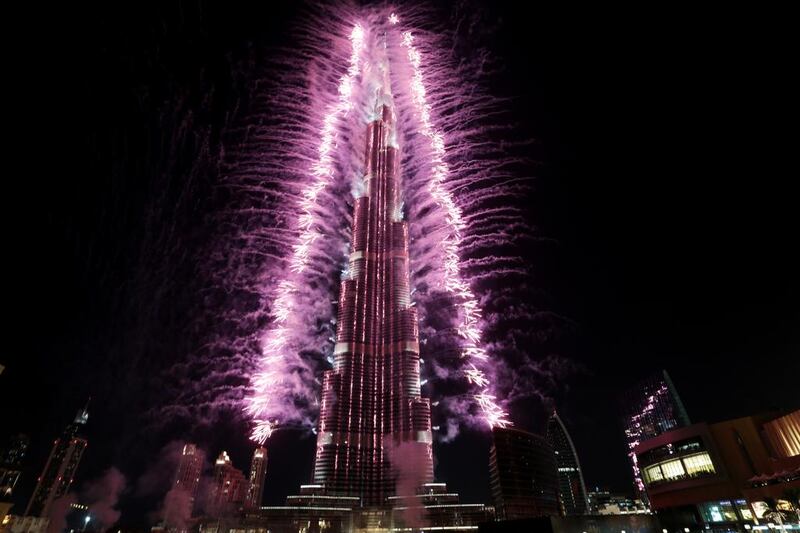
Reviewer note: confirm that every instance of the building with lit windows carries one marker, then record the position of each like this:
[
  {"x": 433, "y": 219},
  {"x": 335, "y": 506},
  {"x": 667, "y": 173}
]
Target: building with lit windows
[
  {"x": 258, "y": 472},
  {"x": 571, "y": 488},
  {"x": 522, "y": 475},
  {"x": 59, "y": 471},
  {"x": 649, "y": 409},
  {"x": 604, "y": 502},
  {"x": 190, "y": 468},
  {"x": 715, "y": 475},
  {"x": 371, "y": 401},
  {"x": 25, "y": 524},
  {"x": 228, "y": 489}
]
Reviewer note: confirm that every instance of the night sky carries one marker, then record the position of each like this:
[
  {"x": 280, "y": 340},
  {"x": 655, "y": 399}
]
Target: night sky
[{"x": 665, "y": 163}]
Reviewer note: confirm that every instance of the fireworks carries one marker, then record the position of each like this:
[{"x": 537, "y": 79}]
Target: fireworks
[{"x": 291, "y": 168}]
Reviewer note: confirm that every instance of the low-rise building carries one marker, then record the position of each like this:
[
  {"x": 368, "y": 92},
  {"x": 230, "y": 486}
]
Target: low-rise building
[{"x": 719, "y": 476}]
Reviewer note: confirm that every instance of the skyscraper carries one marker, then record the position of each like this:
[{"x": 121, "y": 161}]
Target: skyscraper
[
  {"x": 522, "y": 475},
  {"x": 649, "y": 409},
  {"x": 190, "y": 468},
  {"x": 571, "y": 488},
  {"x": 59, "y": 471},
  {"x": 371, "y": 403},
  {"x": 229, "y": 487},
  {"x": 258, "y": 471}
]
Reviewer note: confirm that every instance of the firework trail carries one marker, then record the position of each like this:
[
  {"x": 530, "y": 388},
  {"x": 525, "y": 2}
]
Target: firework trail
[{"x": 289, "y": 172}]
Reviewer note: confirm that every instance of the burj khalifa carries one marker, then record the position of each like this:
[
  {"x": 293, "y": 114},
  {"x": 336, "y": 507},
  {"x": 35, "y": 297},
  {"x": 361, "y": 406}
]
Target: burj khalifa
[{"x": 371, "y": 401}]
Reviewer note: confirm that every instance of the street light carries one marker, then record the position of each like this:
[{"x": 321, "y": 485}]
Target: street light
[{"x": 86, "y": 521}]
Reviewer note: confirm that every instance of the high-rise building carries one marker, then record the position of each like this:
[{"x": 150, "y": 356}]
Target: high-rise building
[
  {"x": 11, "y": 464},
  {"x": 571, "y": 488},
  {"x": 59, "y": 471},
  {"x": 229, "y": 486},
  {"x": 258, "y": 472},
  {"x": 371, "y": 402},
  {"x": 522, "y": 475},
  {"x": 190, "y": 468},
  {"x": 649, "y": 409}
]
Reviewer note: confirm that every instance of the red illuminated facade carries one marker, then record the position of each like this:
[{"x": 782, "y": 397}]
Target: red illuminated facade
[
  {"x": 190, "y": 469},
  {"x": 258, "y": 472},
  {"x": 371, "y": 401},
  {"x": 59, "y": 471}
]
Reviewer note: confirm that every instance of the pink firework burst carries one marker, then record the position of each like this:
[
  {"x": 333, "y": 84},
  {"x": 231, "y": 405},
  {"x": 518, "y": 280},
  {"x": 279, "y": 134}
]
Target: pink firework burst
[{"x": 292, "y": 177}]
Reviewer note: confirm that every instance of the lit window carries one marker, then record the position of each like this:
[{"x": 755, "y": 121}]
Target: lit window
[
  {"x": 653, "y": 474},
  {"x": 721, "y": 511},
  {"x": 698, "y": 464},
  {"x": 673, "y": 469},
  {"x": 744, "y": 510}
]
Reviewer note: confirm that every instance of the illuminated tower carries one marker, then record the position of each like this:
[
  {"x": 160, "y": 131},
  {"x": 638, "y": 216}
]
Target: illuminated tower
[
  {"x": 59, "y": 471},
  {"x": 190, "y": 468},
  {"x": 229, "y": 487},
  {"x": 571, "y": 488},
  {"x": 258, "y": 471},
  {"x": 649, "y": 409},
  {"x": 371, "y": 404}
]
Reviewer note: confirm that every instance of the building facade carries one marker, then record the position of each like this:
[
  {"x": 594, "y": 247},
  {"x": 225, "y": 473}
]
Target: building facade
[
  {"x": 716, "y": 475},
  {"x": 190, "y": 468},
  {"x": 522, "y": 475},
  {"x": 783, "y": 435},
  {"x": 228, "y": 489},
  {"x": 59, "y": 471},
  {"x": 604, "y": 502},
  {"x": 371, "y": 403},
  {"x": 649, "y": 409},
  {"x": 258, "y": 473},
  {"x": 571, "y": 488}
]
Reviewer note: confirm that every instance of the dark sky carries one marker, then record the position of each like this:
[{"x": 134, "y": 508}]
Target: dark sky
[{"x": 666, "y": 144}]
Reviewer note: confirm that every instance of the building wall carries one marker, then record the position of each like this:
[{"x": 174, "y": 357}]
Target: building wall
[
  {"x": 28, "y": 524},
  {"x": 739, "y": 453},
  {"x": 692, "y": 490},
  {"x": 783, "y": 434},
  {"x": 523, "y": 475},
  {"x": 742, "y": 449}
]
